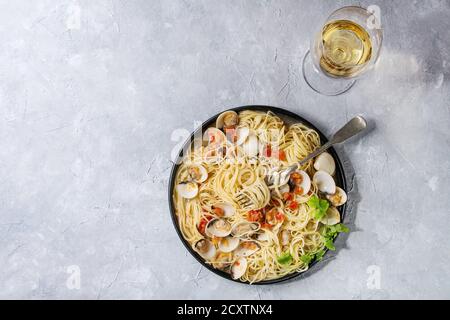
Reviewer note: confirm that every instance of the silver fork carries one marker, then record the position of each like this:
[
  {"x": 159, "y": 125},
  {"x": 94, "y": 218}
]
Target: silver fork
[
  {"x": 244, "y": 200},
  {"x": 352, "y": 128}
]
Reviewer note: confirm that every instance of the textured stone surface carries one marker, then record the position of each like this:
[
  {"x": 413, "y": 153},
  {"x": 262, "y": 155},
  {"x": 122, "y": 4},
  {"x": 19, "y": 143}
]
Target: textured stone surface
[{"x": 91, "y": 92}]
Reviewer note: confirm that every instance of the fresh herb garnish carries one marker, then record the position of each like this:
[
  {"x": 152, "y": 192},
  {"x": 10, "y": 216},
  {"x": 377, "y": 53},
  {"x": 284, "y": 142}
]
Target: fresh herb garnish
[
  {"x": 310, "y": 257},
  {"x": 285, "y": 258},
  {"x": 329, "y": 233},
  {"x": 307, "y": 258},
  {"x": 319, "y": 207},
  {"x": 319, "y": 255}
]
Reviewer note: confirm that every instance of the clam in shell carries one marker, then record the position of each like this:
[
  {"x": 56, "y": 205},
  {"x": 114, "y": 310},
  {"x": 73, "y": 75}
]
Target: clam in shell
[
  {"x": 325, "y": 162},
  {"x": 332, "y": 217},
  {"x": 245, "y": 229},
  {"x": 228, "y": 244},
  {"x": 218, "y": 228},
  {"x": 246, "y": 248},
  {"x": 227, "y": 120},
  {"x": 205, "y": 249},
  {"x": 238, "y": 268},
  {"x": 302, "y": 181},
  {"x": 214, "y": 136},
  {"x": 338, "y": 198},
  {"x": 187, "y": 190},
  {"x": 197, "y": 173},
  {"x": 227, "y": 210},
  {"x": 324, "y": 182}
]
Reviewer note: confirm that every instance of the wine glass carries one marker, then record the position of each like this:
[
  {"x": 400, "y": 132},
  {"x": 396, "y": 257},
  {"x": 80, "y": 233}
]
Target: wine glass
[{"x": 345, "y": 48}]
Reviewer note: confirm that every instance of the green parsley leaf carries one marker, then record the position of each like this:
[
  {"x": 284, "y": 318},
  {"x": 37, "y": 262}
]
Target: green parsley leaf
[
  {"x": 285, "y": 258},
  {"x": 329, "y": 244},
  {"x": 342, "y": 228},
  {"x": 319, "y": 207},
  {"x": 307, "y": 258},
  {"x": 319, "y": 255},
  {"x": 329, "y": 233}
]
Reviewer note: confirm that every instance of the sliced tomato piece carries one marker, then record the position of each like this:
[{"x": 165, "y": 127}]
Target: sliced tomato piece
[
  {"x": 282, "y": 155},
  {"x": 293, "y": 205},
  {"x": 267, "y": 152},
  {"x": 218, "y": 211},
  {"x": 288, "y": 196},
  {"x": 295, "y": 176},
  {"x": 202, "y": 225},
  {"x": 265, "y": 225},
  {"x": 298, "y": 190},
  {"x": 280, "y": 216},
  {"x": 254, "y": 216}
]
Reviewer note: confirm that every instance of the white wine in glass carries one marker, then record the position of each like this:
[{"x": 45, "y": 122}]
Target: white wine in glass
[{"x": 345, "y": 48}]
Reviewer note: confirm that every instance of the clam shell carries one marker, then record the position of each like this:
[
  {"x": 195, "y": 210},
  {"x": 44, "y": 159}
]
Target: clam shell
[
  {"x": 242, "y": 134},
  {"x": 325, "y": 162},
  {"x": 228, "y": 244},
  {"x": 324, "y": 182},
  {"x": 205, "y": 249},
  {"x": 338, "y": 198},
  {"x": 246, "y": 249},
  {"x": 214, "y": 136},
  {"x": 238, "y": 268},
  {"x": 251, "y": 145},
  {"x": 218, "y": 228},
  {"x": 245, "y": 229},
  {"x": 198, "y": 173},
  {"x": 227, "y": 119},
  {"x": 187, "y": 190},
  {"x": 227, "y": 208},
  {"x": 306, "y": 182},
  {"x": 332, "y": 217}
]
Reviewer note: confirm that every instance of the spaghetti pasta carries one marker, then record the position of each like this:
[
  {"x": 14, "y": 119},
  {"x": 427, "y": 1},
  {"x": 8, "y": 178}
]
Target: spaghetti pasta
[{"x": 269, "y": 229}]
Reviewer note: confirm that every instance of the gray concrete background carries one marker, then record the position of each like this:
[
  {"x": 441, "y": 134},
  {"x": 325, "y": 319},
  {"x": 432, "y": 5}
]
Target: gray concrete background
[{"x": 91, "y": 92}]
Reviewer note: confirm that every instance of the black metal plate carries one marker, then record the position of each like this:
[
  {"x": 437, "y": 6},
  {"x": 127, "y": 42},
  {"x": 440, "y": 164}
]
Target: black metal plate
[{"x": 285, "y": 115}]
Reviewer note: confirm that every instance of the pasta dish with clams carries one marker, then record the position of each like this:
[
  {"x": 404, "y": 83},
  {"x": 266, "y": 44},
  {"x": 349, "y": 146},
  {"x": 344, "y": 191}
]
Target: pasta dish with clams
[{"x": 277, "y": 230}]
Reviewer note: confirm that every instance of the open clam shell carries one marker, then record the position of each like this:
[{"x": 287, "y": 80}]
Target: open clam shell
[
  {"x": 227, "y": 209},
  {"x": 205, "y": 249},
  {"x": 218, "y": 228},
  {"x": 197, "y": 173},
  {"x": 246, "y": 248},
  {"x": 332, "y": 217},
  {"x": 245, "y": 229},
  {"x": 227, "y": 120},
  {"x": 228, "y": 244},
  {"x": 305, "y": 181},
  {"x": 251, "y": 145},
  {"x": 187, "y": 190},
  {"x": 338, "y": 198},
  {"x": 214, "y": 136},
  {"x": 239, "y": 268}
]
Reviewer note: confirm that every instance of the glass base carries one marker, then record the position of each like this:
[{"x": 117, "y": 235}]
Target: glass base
[{"x": 321, "y": 83}]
